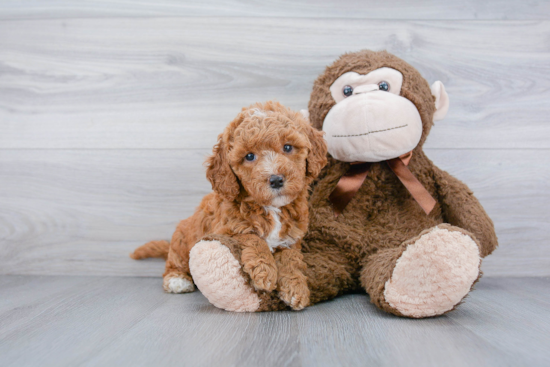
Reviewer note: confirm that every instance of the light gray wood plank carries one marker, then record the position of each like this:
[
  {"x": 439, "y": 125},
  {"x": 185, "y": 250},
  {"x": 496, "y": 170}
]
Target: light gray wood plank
[
  {"x": 82, "y": 212},
  {"x": 370, "y": 9},
  {"x": 511, "y": 315},
  {"x": 98, "y": 321},
  {"x": 81, "y": 208},
  {"x": 176, "y": 82},
  {"x": 65, "y": 328},
  {"x": 205, "y": 336},
  {"x": 25, "y": 298},
  {"x": 361, "y": 335}
]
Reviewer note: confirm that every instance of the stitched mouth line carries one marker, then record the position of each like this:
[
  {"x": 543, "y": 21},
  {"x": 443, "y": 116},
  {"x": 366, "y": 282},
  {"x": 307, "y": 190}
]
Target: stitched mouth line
[{"x": 370, "y": 132}]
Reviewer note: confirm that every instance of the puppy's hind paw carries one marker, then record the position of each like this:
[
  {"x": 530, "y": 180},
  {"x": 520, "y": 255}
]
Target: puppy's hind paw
[{"x": 177, "y": 285}]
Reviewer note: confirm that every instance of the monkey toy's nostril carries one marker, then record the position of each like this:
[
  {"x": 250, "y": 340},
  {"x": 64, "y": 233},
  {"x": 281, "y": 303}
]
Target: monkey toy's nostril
[{"x": 276, "y": 181}]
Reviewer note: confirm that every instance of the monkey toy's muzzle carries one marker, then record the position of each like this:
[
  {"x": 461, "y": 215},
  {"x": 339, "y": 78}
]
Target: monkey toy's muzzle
[{"x": 372, "y": 126}]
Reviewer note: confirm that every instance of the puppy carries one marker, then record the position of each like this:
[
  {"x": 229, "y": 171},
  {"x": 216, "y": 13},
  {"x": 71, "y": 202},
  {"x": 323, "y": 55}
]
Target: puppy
[{"x": 260, "y": 171}]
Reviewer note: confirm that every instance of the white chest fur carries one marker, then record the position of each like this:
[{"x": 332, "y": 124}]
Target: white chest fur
[{"x": 273, "y": 239}]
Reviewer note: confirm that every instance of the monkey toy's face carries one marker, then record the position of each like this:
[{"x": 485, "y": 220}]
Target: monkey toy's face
[{"x": 371, "y": 121}]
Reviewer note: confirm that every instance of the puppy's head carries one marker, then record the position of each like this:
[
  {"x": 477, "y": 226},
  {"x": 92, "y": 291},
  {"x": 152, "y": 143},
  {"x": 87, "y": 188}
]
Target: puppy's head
[{"x": 269, "y": 154}]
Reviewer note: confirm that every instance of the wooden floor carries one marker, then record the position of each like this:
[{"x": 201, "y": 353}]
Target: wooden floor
[{"x": 124, "y": 321}]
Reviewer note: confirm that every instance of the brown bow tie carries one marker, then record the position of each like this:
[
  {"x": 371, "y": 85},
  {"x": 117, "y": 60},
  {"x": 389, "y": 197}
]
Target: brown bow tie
[{"x": 351, "y": 181}]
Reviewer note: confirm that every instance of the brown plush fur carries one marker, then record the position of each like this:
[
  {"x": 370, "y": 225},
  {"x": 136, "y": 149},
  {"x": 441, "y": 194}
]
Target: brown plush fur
[
  {"x": 359, "y": 248},
  {"x": 241, "y": 192}
]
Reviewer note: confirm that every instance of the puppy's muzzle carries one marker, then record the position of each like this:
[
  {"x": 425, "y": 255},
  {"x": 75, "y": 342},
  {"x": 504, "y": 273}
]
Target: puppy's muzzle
[{"x": 276, "y": 181}]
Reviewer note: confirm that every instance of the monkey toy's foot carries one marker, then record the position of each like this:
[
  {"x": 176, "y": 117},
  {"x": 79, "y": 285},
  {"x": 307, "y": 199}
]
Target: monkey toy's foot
[
  {"x": 432, "y": 273},
  {"x": 218, "y": 276}
]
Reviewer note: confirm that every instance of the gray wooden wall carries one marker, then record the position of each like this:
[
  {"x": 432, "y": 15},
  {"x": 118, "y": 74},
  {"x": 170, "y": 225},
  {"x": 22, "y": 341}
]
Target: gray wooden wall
[{"x": 108, "y": 108}]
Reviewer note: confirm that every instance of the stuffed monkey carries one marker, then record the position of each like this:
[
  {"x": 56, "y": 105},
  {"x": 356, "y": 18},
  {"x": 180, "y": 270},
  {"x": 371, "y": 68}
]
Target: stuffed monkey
[{"x": 383, "y": 218}]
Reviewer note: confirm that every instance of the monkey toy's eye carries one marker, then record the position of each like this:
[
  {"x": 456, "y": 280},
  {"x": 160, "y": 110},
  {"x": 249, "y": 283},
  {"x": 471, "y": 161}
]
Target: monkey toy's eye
[
  {"x": 347, "y": 90},
  {"x": 287, "y": 148},
  {"x": 384, "y": 86},
  {"x": 250, "y": 157}
]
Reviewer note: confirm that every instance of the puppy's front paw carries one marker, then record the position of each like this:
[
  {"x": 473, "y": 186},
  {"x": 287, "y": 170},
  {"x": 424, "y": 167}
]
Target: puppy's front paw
[
  {"x": 263, "y": 275},
  {"x": 294, "y": 292},
  {"x": 260, "y": 265}
]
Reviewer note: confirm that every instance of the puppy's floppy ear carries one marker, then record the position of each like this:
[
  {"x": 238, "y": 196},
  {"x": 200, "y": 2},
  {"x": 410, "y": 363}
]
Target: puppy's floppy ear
[
  {"x": 219, "y": 172},
  {"x": 317, "y": 156}
]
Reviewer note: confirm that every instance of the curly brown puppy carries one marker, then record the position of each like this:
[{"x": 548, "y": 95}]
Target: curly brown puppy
[{"x": 260, "y": 171}]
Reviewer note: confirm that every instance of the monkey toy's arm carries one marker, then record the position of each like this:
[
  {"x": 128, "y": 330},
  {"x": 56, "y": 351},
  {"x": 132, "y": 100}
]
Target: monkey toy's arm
[{"x": 461, "y": 208}]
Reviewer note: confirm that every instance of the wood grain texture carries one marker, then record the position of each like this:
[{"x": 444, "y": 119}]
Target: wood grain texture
[
  {"x": 173, "y": 83},
  {"x": 100, "y": 321},
  {"x": 518, "y": 313},
  {"x": 369, "y": 9},
  {"x": 108, "y": 108},
  {"x": 82, "y": 211}
]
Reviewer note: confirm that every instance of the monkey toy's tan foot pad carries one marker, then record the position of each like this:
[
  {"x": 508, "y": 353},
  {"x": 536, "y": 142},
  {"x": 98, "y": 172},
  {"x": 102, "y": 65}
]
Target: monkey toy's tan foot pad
[
  {"x": 173, "y": 283},
  {"x": 218, "y": 276},
  {"x": 434, "y": 273}
]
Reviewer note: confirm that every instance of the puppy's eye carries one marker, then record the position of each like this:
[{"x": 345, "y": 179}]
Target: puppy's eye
[
  {"x": 287, "y": 148},
  {"x": 384, "y": 86},
  {"x": 347, "y": 90},
  {"x": 250, "y": 157}
]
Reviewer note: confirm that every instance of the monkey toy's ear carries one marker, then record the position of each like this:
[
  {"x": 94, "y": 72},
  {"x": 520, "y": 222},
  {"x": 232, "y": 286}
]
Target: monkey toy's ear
[{"x": 441, "y": 100}]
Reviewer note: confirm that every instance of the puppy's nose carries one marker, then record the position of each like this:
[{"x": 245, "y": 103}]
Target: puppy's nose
[{"x": 276, "y": 181}]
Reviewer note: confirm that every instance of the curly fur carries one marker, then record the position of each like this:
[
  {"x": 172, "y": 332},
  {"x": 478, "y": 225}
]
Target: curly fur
[
  {"x": 241, "y": 193},
  {"x": 360, "y": 248}
]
